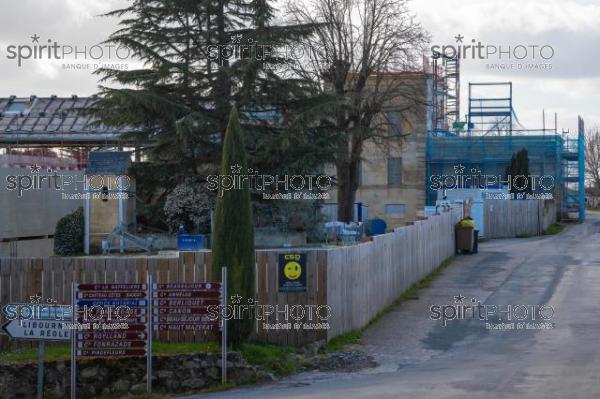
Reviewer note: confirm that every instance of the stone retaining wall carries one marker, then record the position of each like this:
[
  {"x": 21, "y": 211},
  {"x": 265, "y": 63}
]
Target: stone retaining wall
[{"x": 116, "y": 377}]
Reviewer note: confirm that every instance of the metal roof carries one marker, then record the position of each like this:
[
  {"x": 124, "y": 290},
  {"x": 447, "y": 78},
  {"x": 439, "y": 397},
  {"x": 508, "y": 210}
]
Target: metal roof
[{"x": 43, "y": 120}]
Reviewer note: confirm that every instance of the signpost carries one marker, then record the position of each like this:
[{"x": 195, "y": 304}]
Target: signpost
[
  {"x": 39, "y": 322},
  {"x": 171, "y": 314},
  {"x": 115, "y": 322},
  {"x": 119, "y": 320},
  {"x": 185, "y": 307},
  {"x": 224, "y": 326},
  {"x": 46, "y": 330}
]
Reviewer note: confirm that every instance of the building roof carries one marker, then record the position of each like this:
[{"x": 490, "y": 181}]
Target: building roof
[
  {"x": 45, "y": 162},
  {"x": 42, "y": 120},
  {"x": 108, "y": 162}
]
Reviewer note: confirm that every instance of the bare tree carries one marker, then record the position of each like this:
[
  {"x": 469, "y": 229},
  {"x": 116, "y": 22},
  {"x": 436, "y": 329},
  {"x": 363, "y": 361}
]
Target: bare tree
[
  {"x": 357, "y": 47},
  {"x": 592, "y": 158}
]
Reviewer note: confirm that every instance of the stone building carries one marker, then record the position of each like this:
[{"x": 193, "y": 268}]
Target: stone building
[{"x": 392, "y": 172}]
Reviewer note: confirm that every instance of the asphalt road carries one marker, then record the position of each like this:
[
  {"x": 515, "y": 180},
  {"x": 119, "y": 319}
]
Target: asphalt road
[{"x": 419, "y": 358}]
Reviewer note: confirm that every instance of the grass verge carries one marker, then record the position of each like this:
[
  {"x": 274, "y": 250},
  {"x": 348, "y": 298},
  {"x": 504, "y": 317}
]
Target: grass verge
[
  {"x": 273, "y": 358},
  {"x": 338, "y": 343},
  {"x": 554, "y": 228},
  {"x": 63, "y": 352}
]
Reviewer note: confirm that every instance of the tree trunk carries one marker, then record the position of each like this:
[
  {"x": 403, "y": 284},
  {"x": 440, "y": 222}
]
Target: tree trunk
[{"x": 346, "y": 190}]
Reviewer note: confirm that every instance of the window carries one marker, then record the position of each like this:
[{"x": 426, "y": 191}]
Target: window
[
  {"x": 395, "y": 122},
  {"x": 394, "y": 171},
  {"x": 395, "y": 209},
  {"x": 18, "y": 105}
]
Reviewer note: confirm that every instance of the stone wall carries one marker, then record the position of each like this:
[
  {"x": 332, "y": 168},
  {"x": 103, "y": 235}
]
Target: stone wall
[{"x": 104, "y": 377}]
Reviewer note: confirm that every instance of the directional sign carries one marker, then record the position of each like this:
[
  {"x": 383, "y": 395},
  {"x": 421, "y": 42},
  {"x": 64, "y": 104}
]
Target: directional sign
[
  {"x": 185, "y": 307},
  {"x": 176, "y": 311},
  {"x": 111, "y": 295},
  {"x": 46, "y": 330},
  {"x": 111, "y": 344},
  {"x": 111, "y": 287},
  {"x": 91, "y": 312},
  {"x": 107, "y": 307},
  {"x": 186, "y": 327},
  {"x": 110, "y": 352},
  {"x": 185, "y": 319},
  {"x": 105, "y": 320},
  {"x": 186, "y": 294},
  {"x": 130, "y": 327},
  {"x": 111, "y": 335},
  {"x": 142, "y": 309},
  {"x": 187, "y": 286},
  {"x": 184, "y": 302},
  {"x": 111, "y": 302}
]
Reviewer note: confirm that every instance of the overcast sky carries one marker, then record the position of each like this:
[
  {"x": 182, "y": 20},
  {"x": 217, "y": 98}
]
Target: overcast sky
[{"x": 570, "y": 27}]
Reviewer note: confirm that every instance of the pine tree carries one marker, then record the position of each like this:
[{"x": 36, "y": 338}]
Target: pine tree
[
  {"x": 179, "y": 101},
  {"x": 233, "y": 235}
]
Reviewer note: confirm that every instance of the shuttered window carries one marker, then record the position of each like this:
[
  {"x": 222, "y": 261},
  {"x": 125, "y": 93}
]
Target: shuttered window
[{"x": 394, "y": 171}]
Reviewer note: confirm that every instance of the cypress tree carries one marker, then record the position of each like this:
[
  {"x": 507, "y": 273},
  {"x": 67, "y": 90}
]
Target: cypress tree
[
  {"x": 519, "y": 166},
  {"x": 233, "y": 235}
]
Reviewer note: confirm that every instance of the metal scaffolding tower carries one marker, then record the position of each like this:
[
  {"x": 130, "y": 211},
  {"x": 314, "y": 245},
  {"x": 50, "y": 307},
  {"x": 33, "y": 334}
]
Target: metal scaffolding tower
[
  {"x": 446, "y": 92},
  {"x": 494, "y": 134},
  {"x": 573, "y": 164},
  {"x": 491, "y": 114}
]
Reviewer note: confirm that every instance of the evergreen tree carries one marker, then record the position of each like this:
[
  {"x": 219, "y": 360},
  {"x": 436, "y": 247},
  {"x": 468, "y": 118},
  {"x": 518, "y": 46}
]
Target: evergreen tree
[
  {"x": 179, "y": 100},
  {"x": 233, "y": 235},
  {"x": 518, "y": 172}
]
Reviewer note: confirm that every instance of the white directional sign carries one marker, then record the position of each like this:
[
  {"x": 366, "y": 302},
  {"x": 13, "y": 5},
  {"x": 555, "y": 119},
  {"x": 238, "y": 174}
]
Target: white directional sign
[{"x": 46, "y": 330}]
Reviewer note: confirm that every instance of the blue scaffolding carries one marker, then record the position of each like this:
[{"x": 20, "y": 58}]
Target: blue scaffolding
[
  {"x": 491, "y": 114},
  {"x": 493, "y": 135}
]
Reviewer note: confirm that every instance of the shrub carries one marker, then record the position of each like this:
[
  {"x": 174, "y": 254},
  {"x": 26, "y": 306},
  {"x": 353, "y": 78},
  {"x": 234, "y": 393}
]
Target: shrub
[
  {"x": 189, "y": 204},
  {"x": 68, "y": 236}
]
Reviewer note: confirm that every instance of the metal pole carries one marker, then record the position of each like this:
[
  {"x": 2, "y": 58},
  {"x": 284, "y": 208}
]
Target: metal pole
[
  {"x": 149, "y": 337},
  {"x": 40, "y": 376},
  {"x": 121, "y": 224},
  {"x": 86, "y": 219},
  {"x": 224, "y": 325},
  {"x": 73, "y": 342}
]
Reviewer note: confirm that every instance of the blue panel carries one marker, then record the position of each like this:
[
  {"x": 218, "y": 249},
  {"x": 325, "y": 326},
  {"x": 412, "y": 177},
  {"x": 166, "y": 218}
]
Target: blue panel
[{"x": 189, "y": 242}]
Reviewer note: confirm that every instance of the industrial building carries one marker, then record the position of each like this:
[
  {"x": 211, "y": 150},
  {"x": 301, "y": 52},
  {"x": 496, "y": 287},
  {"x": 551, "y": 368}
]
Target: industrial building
[
  {"x": 484, "y": 144},
  {"x": 44, "y": 138}
]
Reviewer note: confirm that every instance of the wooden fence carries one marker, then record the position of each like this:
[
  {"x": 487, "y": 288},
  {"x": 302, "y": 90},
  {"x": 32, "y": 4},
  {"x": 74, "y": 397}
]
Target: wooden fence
[
  {"x": 511, "y": 218},
  {"x": 52, "y": 278},
  {"x": 363, "y": 280},
  {"x": 355, "y": 282}
]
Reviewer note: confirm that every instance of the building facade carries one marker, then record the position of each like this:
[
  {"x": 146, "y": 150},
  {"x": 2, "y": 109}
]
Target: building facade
[{"x": 392, "y": 169}]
